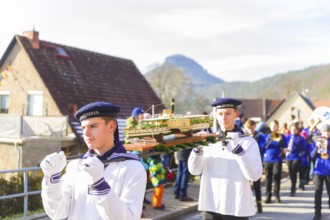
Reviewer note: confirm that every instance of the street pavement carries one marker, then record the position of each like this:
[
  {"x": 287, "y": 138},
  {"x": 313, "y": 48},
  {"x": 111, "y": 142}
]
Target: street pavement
[
  {"x": 300, "y": 207},
  {"x": 173, "y": 207}
]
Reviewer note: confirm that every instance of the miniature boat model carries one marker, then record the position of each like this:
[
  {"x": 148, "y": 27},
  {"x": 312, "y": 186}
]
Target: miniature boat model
[
  {"x": 172, "y": 124},
  {"x": 167, "y": 131}
]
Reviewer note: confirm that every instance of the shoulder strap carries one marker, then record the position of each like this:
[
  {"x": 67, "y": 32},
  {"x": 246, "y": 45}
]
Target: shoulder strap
[{"x": 268, "y": 142}]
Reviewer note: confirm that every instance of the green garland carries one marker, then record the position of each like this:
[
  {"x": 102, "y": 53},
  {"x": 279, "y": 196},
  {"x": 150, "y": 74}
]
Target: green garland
[
  {"x": 166, "y": 150},
  {"x": 211, "y": 139}
]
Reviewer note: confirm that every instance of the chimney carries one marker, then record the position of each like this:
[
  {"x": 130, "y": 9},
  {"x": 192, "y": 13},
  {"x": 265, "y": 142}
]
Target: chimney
[{"x": 33, "y": 37}]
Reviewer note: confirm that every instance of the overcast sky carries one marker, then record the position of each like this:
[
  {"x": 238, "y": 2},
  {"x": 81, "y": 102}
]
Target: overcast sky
[{"x": 232, "y": 39}]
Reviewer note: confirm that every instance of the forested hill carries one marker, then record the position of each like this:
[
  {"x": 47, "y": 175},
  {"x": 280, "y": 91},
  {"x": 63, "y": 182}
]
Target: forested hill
[
  {"x": 314, "y": 82},
  {"x": 193, "y": 87},
  {"x": 191, "y": 69}
]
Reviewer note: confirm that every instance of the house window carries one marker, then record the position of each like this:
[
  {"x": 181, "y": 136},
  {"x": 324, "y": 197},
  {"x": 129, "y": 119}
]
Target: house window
[
  {"x": 4, "y": 102},
  {"x": 295, "y": 113},
  {"x": 61, "y": 53},
  {"x": 72, "y": 108},
  {"x": 34, "y": 103}
]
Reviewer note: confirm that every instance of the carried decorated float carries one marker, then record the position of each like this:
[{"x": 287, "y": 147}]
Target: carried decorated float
[
  {"x": 169, "y": 124},
  {"x": 168, "y": 132}
]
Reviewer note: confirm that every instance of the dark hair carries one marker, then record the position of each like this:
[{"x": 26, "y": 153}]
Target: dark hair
[
  {"x": 295, "y": 124},
  {"x": 249, "y": 123},
  {"x": 108, "y": 119},
  {"x": 276, "y": 122}
]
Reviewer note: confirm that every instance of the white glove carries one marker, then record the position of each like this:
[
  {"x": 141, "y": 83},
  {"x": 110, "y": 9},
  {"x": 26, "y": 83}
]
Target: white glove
[
  {"x": 234, "y": 136},
  {"x": 53, "y": 164},
  {"x": 94, "y": 167},
  {"x": 198, "y": 150}
]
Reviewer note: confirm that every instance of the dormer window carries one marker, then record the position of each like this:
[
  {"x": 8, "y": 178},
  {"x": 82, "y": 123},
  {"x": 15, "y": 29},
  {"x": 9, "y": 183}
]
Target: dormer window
[{"x": 60, "y": 52}]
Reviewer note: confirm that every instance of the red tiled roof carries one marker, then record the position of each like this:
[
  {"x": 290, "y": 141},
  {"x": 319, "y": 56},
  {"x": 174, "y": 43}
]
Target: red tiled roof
[
  {"x": 320, "y": 103},
  {"x": 262, "y": 108},
  {"x": 76, "y": 77},
  {"x": 84, "y": 76},
  {"x": 273, "y": 105}
]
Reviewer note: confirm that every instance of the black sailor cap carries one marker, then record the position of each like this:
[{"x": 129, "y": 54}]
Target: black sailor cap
[
  {"x": 226, "y": 103},
  {"x": 97, "y": 109}
]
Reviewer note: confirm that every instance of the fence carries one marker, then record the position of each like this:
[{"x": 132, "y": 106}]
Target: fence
[{"x": 25, "y": 192}]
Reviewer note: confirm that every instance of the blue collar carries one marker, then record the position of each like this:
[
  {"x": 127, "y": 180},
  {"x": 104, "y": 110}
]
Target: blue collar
[{"x": 118, "y": 151}]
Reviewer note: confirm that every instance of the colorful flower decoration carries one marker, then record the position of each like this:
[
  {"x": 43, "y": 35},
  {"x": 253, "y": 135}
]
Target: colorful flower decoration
[{"x": 4, "y": 74}]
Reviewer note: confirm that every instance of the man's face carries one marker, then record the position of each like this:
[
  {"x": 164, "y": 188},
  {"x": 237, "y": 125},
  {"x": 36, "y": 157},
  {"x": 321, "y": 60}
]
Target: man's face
[
  {"x": 294, "y": 130},
  {"x": 139, "y": 117},
  {"x": 97, "y": 134},
  {"x": 251, "y": 129},
  {"x": 273, "y": 126},
  {"x": 311, "y": 122},
  {"x": 226, "y": 118}
]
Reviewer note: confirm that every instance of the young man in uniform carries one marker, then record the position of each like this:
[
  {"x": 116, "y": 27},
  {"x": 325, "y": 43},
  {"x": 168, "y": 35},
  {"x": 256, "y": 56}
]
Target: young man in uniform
[
  {"x": 320, "y": 152},
  {"x": 227, "y": 167},
  {"x": 90, "y": 189},
  {"x": 296, "y": 146},
  {"x": 272, "y": 161}
]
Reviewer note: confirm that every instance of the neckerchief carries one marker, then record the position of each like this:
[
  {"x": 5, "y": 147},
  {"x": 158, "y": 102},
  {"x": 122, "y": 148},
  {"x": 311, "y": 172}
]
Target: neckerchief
[
  {"x": 116, "y": 153},
  {"x": 223, "y": 134}
]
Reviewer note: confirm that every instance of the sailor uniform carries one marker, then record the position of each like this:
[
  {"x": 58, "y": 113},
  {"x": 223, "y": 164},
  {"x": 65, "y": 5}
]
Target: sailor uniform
[
  {"x": 119, "y": 196},
  {"x": 225, "y": 186},
  {"x": 226, "y": 169}
]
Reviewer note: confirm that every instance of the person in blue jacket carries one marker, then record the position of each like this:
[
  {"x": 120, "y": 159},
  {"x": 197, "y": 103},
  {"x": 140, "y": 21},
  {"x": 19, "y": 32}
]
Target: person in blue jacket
[
  {"x": 320, "y": 151},
  {"x": 305, "y": 161},
  {"x": 296, "y": 145},
  {"x": 250, "y": 127},
  {"x": 273, "y": 151},
  {"x": 308, "y": 133}
]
